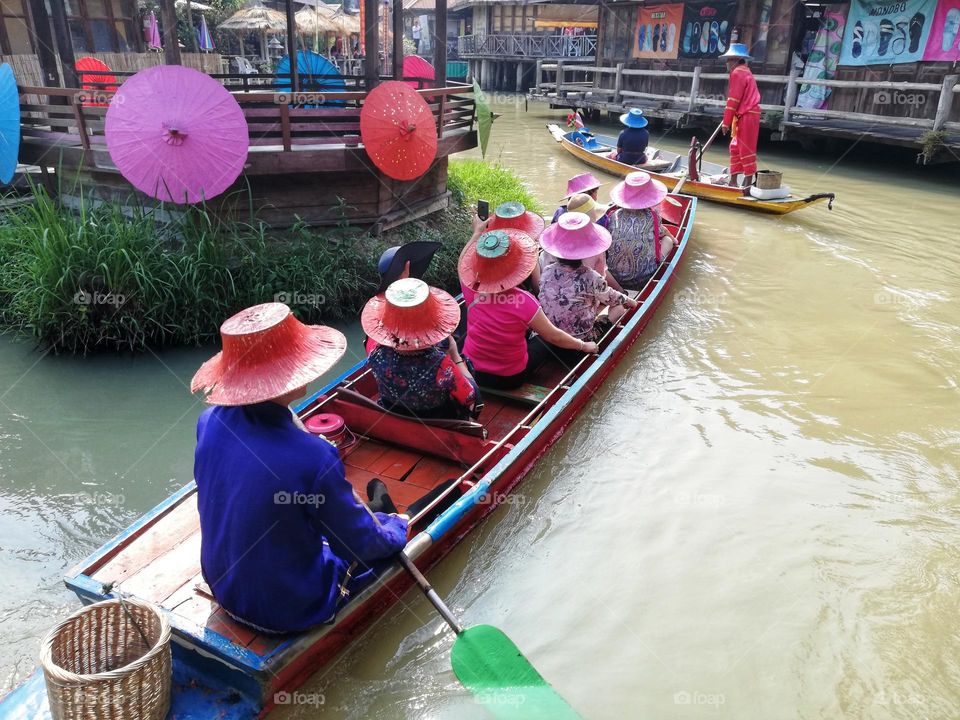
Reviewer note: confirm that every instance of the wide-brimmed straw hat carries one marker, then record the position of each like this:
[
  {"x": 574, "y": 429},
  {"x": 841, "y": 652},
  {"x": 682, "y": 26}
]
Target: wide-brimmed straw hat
[
  {"x": 266, "y": 353},
  {"x": 515, "y": 215},
  {"x": 583, "y": 203},
  {"x": 497, "y": 260},
  {"x": 582, "y": 183},
  {"x": 634, "y": 118},
  {"x": 738, "y": 51},
  {"x": 410, "y": 315},
  {"x": 418, "y": 253},
  {"x": 575, "y": 237},
  {"x": 638, "y": 191}
]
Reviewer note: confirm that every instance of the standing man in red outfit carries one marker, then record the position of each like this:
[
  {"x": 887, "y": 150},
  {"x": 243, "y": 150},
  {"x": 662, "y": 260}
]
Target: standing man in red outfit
[{"x": 741, "y": 118}]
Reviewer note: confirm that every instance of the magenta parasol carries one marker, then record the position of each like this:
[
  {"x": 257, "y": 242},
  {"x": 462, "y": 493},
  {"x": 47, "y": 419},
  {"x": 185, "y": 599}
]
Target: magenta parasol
[
  {"x": 418, "y": 72},
  {"x": 399, "y": 131},
  {"x": 176, "y": 134},
  {"x": 153, "y": 33}
]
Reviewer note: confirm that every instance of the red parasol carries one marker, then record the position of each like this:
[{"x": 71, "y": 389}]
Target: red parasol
[
  {"x": 97, "y": 79},
  {"x": 398, "y": 131},
  {"x": 176, "y": 134},
  {"x": 418, "y": 72}
]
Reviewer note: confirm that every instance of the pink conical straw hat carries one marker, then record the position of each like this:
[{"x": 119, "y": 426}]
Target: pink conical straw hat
[
  {"x": 638, "y": 191},
  {"x": 575, "y": 237},
  {"x": 582, "y": 183}
]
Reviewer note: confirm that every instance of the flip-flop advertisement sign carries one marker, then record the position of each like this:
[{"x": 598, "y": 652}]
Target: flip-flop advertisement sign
[
  {"x": 943, "y": 44},
  {"x": 706, "y": 29},
  {"x": 658, "y": 31},
  {"x": 885, "y": 32}
]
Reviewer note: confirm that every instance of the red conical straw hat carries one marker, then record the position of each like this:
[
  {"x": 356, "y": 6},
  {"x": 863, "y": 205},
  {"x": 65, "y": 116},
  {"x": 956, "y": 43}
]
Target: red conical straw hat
[
  {"x": 410, "y": 315},
  {"x": 515, "y": 215},
  {"x": 266, "y": 353},
  {"x": 497, "y": 260}
]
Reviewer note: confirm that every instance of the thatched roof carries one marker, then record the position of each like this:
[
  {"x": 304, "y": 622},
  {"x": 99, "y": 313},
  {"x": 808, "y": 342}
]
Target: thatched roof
[
  {"x": 255, "y": 17},
  {"x": 327, "y": 19}
]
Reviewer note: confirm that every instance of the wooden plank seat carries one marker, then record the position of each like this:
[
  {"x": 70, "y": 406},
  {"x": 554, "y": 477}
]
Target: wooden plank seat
[
  {"x": 467, "y": 427},
  {"x": 528, "y": 393}
]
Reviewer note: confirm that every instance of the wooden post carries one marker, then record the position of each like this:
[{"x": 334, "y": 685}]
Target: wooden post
[
  {"x": 560, "y": 74},
  {"x": 791, "y": 98},
  {"x": 538, "y": 79},
  {"x": 618, "y": 84},
  {"x": 519, "y": 76},
  {"x": 694, "y": 89},
  {"x": 64, "y": 45},
  {"x": 398, "y": 39},
  {"x": 39, "y": 27},
  {"x": 485, "y": 74},
  {"x": 440, "y": 43},
  {"x": 371, "y": 41},
  {"x": 946, "y": 101},
  {"x": 171, "y": 43},
  {"x": 292, "y": 48}
]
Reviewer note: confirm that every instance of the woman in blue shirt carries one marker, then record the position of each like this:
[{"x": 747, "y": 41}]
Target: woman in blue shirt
[{"x": 633, "y": 140}]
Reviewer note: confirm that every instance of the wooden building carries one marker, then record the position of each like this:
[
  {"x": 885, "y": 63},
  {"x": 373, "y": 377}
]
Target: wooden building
[
  {"x": 306, "y": 162},
  {"x": 861, "y": 103}
]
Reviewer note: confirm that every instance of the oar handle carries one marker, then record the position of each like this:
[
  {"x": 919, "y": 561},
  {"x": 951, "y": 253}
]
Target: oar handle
[
  {"x": 679, "y": 186},
  {"x": 431, "y": 594}
]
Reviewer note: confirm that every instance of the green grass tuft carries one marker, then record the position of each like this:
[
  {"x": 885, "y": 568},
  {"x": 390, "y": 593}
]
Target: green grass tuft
[{"x": 472, "y": 180}]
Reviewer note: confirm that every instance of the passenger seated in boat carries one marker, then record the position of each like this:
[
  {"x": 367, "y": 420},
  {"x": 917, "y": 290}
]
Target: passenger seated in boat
[
  {"x": 639, "y": 242},
  {"x": 403, "y": 261},
  {"x": 284, "y": 539},
  {"x": 571, "y": 293},
  {"x": 584, "y": 183},
  {"x": 633, "y": 140},
  {"x": 417, "y": 366},
  {"x": 491, "y": 267}
]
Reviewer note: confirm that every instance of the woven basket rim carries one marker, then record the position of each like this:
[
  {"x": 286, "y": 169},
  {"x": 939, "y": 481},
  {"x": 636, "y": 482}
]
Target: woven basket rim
[{"x": 54, "y": 671}]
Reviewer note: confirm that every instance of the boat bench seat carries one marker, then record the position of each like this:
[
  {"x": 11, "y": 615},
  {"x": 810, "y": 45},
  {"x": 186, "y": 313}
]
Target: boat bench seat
[
  {"x": 465, "y": 426},
  {"x": 528, "y": 393}
]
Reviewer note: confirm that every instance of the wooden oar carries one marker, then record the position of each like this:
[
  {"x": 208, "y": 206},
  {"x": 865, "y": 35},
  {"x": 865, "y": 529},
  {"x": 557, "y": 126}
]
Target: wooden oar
[
  {"x": 491, "y": 666},
  {"x": 679, "y": 185}
]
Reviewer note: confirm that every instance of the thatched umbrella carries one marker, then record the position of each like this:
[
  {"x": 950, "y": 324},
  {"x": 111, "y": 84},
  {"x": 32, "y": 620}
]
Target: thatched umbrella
[
  {"x": 326, "y": 19},
  {"x": 256, "y": 18}
]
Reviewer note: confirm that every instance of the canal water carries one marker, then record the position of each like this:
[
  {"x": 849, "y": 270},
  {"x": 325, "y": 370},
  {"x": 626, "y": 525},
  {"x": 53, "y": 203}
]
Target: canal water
[{"x": 756, "y": 517}]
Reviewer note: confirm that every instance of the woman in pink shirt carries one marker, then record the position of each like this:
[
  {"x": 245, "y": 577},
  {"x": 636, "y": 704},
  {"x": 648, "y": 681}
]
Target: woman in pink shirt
[{"x": 499, "y": 313}]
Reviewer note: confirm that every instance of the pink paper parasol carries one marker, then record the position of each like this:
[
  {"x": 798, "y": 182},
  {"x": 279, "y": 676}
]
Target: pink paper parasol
[
  {"x": 176, "y": 134},
  {"x": 399, "y": 131},
  {"x": 418, "y": 72},
  {"x": 153, "y": 33}
]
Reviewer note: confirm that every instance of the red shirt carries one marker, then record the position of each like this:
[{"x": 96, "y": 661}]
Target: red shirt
[
  {"x": 743, "y": 95},
  {"x": 496, "y": 330}
]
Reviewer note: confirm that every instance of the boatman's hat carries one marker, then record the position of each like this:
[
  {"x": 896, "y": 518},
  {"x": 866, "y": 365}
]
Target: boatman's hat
[
  {"x": 634, "y": 118},
  {"x": 737, "y": 51}
]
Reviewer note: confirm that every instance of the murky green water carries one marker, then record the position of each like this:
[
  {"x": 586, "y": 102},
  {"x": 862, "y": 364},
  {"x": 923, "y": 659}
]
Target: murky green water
[{"x": 755, "y": 518}]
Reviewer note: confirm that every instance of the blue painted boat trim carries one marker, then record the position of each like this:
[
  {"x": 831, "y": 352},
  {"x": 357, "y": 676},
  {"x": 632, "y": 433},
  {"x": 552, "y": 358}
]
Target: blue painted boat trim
[{"x": 450, "y": 517}]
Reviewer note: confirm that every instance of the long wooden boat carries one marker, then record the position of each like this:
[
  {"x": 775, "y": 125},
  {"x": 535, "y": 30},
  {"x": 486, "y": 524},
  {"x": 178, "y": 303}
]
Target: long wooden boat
[
  {"x": 669, "y": 168},
  {"x": 225, "y": 670}
]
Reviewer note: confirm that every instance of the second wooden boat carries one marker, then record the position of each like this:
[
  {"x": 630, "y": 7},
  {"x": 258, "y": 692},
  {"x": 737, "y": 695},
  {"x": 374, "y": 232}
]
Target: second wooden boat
[{"x": 669, "y": 168}]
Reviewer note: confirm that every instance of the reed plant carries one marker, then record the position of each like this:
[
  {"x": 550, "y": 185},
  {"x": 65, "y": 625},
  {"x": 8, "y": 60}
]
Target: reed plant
[{"x": 100, "y": 276}]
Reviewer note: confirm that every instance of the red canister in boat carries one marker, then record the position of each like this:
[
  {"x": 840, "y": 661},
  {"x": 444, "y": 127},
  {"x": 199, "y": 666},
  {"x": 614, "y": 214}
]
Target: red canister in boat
[{"x": 332, "y": 428}]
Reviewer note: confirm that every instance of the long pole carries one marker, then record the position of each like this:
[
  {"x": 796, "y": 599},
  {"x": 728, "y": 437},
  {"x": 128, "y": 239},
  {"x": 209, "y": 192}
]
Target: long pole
[
  {"x": 171, "y": 44},
  {"x": 371, "y": 39},
  {"x": 292, "y": 47},
  {"x": 398, "y": 39},
  {"x": 679, "y": 186},
  {"x": 193, "y": 33}
]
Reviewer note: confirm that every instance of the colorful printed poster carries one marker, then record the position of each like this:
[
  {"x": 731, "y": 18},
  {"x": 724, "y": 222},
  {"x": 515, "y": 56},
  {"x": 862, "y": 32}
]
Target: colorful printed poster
[
  {"x": 885, "y": 32},
  {"x": 944, "y": 41},
  {"x": 822, "y": 61},
  {"x": 706, "y": 28},
  {"x": 658, "y": 31}
]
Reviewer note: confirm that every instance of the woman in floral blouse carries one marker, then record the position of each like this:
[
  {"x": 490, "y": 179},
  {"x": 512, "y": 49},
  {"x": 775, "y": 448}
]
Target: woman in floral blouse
[
  {"x": 572, "y": 294},
  {"x": 639, "y": 243},
  {"x": 417, "y": 366}
]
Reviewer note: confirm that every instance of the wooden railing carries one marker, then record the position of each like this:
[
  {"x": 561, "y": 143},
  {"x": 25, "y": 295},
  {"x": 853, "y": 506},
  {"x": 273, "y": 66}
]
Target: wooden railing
[
  {"x": 527, "y": 45},
  {"x": 608, "y": 83},
  {"x": 278, "y": 121}
]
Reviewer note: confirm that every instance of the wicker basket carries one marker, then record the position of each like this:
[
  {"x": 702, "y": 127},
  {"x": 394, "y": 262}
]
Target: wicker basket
[
  {"x": 109, "y": 662},
  {"x": 768, "y": 179}
]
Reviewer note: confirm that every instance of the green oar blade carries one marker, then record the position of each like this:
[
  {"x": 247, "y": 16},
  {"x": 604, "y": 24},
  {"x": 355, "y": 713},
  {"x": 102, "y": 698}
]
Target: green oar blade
[{"x": 489, "y": 665}]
